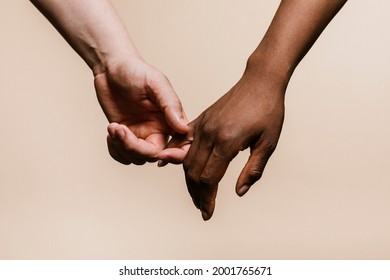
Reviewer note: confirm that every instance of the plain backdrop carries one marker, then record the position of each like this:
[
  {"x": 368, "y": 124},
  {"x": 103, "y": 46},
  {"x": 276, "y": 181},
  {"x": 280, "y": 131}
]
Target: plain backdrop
[{"x": 326, "y": 190}]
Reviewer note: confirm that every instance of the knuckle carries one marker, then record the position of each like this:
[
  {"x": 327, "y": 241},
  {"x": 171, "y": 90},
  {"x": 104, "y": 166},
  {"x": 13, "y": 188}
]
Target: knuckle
[
  {"x": 209, "y": 178},
  {"x": 266, "y": 146},
  {"x": 227, "y": 136},
  {"x": 267, "y": 151},
  {"x": 191, "y": 178},
  {"x": 208, "y": 129},
  {"x": 255, "y": 174},
  {"x": 269, "y": 148},
  {"x": 224, "y": 137},
  {"x": 226, "y": 149},
  {"x": 206, "y": 181}
]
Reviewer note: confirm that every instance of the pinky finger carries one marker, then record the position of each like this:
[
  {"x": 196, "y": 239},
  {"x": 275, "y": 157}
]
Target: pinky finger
[
  {"x": 173, "y": 155},
  {"x": 176, "y": 150}
]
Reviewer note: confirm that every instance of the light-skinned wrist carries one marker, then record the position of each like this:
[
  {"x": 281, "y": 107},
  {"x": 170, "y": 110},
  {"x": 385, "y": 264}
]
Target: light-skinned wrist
[{"x": 108, "y": 60}]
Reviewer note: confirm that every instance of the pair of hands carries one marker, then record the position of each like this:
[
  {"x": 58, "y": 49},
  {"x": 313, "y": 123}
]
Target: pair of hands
[{"x": 143, "y": 111}]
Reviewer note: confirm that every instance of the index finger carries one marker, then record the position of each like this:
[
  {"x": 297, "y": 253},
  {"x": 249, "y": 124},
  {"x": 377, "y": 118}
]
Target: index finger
[
  {"x": 210, "y": 177},
  {"x": 176, "y": 149}
]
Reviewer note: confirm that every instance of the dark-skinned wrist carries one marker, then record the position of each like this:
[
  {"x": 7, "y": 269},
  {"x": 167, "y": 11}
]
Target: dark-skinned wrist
[{"x": 269, "y": 71}]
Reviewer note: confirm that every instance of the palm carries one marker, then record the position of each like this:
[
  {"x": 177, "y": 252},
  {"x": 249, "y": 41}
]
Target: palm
[{"x": 131, "y": 99}]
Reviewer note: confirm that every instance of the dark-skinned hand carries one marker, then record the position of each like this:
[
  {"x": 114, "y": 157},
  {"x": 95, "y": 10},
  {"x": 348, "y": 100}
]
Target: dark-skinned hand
[{"x": 250, "y": 115}]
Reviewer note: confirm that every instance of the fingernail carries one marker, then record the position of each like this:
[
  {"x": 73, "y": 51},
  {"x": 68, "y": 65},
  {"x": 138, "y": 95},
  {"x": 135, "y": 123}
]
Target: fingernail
[
  {"x": 161, "y": 163},
  {"x": 111, "y": 132},
  {"x": 243, "y": 190},
  {"x": 121, "y": 133},
  {"x": 205, "y": 215}
]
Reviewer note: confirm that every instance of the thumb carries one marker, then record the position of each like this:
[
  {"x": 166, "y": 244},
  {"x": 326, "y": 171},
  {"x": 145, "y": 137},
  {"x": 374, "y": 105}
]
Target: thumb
[
  {"x": 171, "y": 106},
  {"x": 176, "y": 117},
  {"x": 253, "y": 169}
]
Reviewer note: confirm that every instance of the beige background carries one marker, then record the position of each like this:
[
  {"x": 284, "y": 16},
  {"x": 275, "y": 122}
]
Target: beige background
[{"x": 326, "y": 190}]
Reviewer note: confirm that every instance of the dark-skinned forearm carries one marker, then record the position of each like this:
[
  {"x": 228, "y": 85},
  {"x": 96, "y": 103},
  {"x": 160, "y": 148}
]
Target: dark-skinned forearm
[{"x": 295, "y": 27}]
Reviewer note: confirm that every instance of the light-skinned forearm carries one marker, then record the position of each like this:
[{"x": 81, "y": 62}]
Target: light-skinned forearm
[
  {"x": 137, "y": 99},
  {"x": 92, "y": 28},
  {"x": 295, "y": 27}
]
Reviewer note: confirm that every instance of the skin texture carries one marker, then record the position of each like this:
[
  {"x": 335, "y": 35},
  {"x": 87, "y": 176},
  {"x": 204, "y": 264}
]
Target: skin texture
[
  {"x": 137, "y": 99},
  {"x": 251, "y": 114},
  {"x": 144, "y": 110}
]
